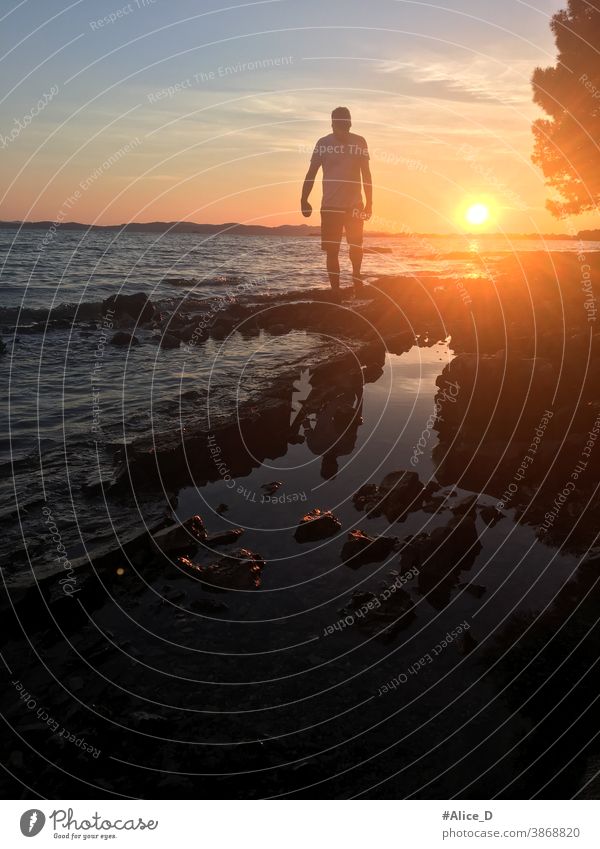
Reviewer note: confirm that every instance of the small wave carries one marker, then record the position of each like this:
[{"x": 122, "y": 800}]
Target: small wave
[
  {"x": 67, "y": 311},
  {"x": 218, "y": 281}
]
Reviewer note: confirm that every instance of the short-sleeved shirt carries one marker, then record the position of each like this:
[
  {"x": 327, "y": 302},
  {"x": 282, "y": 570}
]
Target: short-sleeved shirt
[{"x": 341, "y": 162}]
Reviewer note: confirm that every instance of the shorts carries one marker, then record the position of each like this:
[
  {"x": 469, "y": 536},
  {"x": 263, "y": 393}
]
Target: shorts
[{"x": 334, "y": 222}]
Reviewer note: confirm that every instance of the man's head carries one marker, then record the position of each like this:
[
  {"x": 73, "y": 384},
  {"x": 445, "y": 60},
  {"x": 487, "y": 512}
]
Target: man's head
[{"x": 341, "y": 121}]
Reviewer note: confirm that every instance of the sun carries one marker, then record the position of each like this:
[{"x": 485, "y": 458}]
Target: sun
[{"x": 477, "y": 214}]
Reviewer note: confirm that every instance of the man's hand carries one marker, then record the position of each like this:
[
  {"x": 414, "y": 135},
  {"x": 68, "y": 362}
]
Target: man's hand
[
  {"x": 367, "y": 212},
  {"x": 306, "y": 208}
]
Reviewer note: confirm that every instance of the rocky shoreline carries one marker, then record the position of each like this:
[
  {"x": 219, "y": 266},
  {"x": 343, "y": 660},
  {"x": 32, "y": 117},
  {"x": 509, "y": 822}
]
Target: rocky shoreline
[{"x": 516, "y": 416}]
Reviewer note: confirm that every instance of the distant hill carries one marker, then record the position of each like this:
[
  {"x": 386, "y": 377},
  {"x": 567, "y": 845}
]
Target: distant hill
[
  {"x": 173, "y": 227},
  {"x": 234, "y": 228}
]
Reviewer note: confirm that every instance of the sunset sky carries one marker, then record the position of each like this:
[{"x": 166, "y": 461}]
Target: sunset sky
[{"x": 231, "y": 143}]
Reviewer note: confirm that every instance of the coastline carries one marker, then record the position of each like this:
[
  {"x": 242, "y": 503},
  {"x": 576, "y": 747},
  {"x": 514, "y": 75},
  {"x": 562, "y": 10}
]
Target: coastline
[{"x": 428, "y": 502}]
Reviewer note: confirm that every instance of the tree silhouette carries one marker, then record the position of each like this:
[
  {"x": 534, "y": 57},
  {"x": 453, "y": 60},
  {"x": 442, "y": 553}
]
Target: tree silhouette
[{"x": 567, "y": 145}]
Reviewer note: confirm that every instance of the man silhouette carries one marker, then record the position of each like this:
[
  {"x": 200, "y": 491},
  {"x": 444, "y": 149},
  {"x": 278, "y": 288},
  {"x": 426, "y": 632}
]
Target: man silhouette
[{"x": 344, "y": 157}]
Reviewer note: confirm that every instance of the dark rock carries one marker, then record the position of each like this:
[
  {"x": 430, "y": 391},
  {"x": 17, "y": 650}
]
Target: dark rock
[
  {"x": 124, "y": 340},
  {"x": 219, "y": 330},
  {"x": 271, "y": 487},
  {"x": 317, "y": 525},
  {"x": 137, "y": 306},
  {"x": 191, "y": 333},
  {"x": 466, "y": 507},
  {"x": 491, "y": 515},
  {"x": 399, "y": 343},
  {"x": 240, "y": 570},
  {"x": 361, "y": 548},
  {"x": 277, "y": 329},
  {"x": 224, "y": 538},
  {"x": 222, "y": 508},
  {"x": 401, "y": 492},
  {"x": 434, "y": 505},
  {"x": 430, "y": 488},
  {"x": 476, "y": 590},
  {"x": 168, "y": 341},
  {"x": 190, "y": 395},
  {"x": 181, "y": 538},
  {"x": 398, "y": 493},
  {"x": 367, "y": 494},
  {"x": 382, "y": 615},
  {"x": 441, "y": 556}
]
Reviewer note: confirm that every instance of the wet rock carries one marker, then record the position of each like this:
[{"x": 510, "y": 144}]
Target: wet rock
[
  {"x": 191, "y": 333},
  {"x": 465, "y": 507},
  {"x": 366, "y": 496},
  {"x": 382, "y": 615},
  {"x": 181, "y": 538},
  {"x": 398, "y": 493},
  {"x": 137, "y": 306},
  {"x": 219, "y": 330},
  {"x": 441, "y": 556},
  {"x": 317, "y": 524},
  {"x": 401, "y": 492},
  {"x": 277, "y": 329},
  {"x": 476, "y": 590},
  {"x": 360, "y": 548},
  {"x": 430, "y": 489},
  {"x": 179, "y": 320},
  {"x": 240, "y": 570},
  {"x": 190, "y": 395},
  {"x": 271, "y": 487},
  {"x": 496, "y": 395},
  {"x": 224, "y": 538},
  {"x": 434, "y": 505},
  {"x": 168, "y": 341},
  {"x": 491, "y": 515},
  {"x": 400, "y": 343},
  {"x": 121, "y": 339}
]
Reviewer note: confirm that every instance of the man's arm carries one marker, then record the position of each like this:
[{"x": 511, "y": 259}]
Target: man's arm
[
  {"x": 368, "y": 187},
  {"x": 309, "y": 182}
]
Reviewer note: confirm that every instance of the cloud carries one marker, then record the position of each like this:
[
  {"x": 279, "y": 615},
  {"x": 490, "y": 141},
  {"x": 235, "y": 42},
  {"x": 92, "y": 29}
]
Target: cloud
[{"x": 477, "y": 80}]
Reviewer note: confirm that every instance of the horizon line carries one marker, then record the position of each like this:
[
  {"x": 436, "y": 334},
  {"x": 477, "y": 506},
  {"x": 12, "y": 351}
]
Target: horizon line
[{"x": 222, "y": 228}]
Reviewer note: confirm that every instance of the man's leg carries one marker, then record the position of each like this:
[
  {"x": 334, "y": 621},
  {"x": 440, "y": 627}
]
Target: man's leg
[
  {"x": 356, "y": 257},
  {"x": 333, "y": 266},
  {"x": 354, "y": 234},
  {"x": 332, "y": 227}
]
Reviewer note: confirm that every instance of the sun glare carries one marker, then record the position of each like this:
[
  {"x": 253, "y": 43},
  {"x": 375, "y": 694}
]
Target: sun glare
[{"x": 477, "y": 214}]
